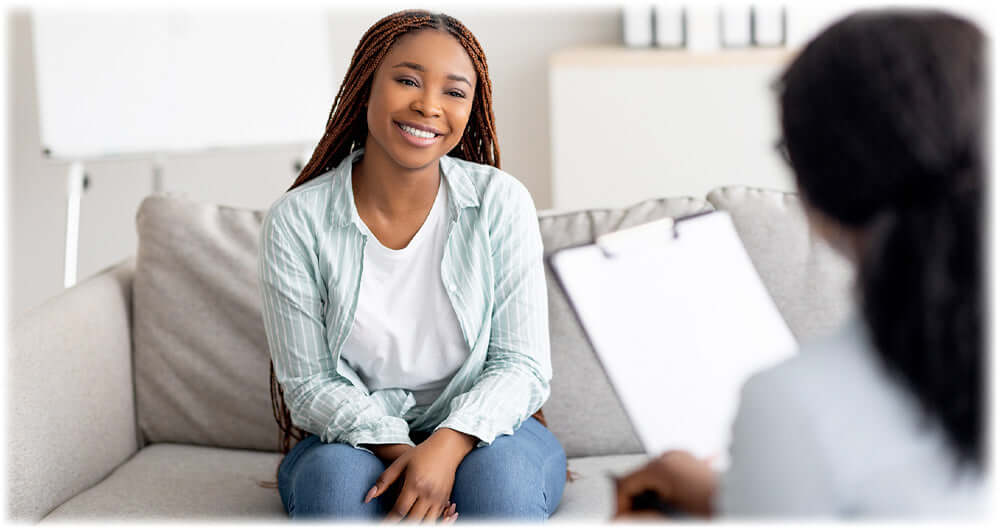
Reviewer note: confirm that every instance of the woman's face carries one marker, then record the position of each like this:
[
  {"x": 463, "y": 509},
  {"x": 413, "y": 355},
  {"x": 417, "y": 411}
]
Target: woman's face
[{"x": 421, "y": 98}]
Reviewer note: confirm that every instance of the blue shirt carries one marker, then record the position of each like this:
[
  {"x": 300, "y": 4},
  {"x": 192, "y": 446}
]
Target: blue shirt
[{"x": 310, "y": 266}]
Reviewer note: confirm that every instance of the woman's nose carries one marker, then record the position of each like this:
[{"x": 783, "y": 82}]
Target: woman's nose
[{"x": 427, "y": 105}]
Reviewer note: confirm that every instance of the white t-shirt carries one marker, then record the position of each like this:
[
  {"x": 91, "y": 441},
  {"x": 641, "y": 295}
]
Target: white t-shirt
[{"x": 405, "y": 332}]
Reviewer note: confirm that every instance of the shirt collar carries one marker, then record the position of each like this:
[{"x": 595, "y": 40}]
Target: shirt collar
[{"x": 461, "y": 191}]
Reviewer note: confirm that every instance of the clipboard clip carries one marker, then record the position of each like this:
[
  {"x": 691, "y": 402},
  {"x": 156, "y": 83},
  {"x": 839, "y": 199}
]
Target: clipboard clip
[{"x": 659, "y": 231}]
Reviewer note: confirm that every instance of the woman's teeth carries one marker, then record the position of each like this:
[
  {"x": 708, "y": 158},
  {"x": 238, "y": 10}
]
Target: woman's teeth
[{"x": 417, "y": 132}]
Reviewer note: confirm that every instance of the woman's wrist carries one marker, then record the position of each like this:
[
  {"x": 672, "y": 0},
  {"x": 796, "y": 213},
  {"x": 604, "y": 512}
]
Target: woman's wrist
[
  {"x": 459, "y": 443},
  {"x": 387, "y": 452}
]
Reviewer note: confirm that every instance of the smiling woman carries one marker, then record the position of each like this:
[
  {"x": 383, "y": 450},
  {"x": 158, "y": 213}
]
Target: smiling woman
[{"x": 404, "y": 299}]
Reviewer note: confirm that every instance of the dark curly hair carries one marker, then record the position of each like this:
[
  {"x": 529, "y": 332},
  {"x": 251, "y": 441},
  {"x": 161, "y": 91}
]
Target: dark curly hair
[{"x": 883, "y": 122}]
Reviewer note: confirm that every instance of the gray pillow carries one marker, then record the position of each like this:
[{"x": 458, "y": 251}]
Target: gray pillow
[
  {"x": 201, "y": 357},
  {"x": 583, "y": 411},
  {"x": 809, "y": 282}
]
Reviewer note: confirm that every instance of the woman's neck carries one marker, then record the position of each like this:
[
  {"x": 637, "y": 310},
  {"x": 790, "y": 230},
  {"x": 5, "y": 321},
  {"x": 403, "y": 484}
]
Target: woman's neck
[{"x": 381, "y": 185}]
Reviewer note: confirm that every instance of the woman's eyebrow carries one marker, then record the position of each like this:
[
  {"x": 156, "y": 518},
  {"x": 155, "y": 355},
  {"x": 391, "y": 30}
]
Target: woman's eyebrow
[{"x": 419, "y": 68}]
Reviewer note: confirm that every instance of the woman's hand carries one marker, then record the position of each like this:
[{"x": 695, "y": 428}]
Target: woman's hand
[
  {"x": 676, "y": 477},
  {"x": 428, "y": 472}
]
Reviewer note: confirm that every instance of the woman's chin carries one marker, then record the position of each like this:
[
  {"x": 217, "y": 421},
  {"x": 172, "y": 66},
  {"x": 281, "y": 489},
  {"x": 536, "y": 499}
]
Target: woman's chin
[{"x": 408, "y": 159}]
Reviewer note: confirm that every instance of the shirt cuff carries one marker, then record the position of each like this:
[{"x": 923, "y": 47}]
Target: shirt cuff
[
  {"x": 477, "y": 426},
  {"x": 385, "y": 430}
]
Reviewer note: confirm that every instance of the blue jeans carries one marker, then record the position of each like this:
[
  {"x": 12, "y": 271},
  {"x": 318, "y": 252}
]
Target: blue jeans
[{"x": 519, "y": 476}]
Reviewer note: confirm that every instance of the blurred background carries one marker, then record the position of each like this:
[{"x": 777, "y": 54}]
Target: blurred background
[{"x": 597, "y": 105}]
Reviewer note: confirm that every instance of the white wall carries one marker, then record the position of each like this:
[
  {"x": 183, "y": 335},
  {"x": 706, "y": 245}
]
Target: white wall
[{"x": 517, "y": 45}]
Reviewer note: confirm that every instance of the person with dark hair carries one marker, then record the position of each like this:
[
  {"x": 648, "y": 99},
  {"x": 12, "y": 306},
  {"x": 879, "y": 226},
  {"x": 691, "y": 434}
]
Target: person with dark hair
[
  {"x": 883, "y": 118},
  {"x": 404, "y": 299}
]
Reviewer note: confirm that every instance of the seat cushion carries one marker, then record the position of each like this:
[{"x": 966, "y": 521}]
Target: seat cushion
[
  {"x": 591, "y": 495},
  {"x": 170, "y": 481},
  {"x": 182, "y": 481},
  {"x": 583, "y": 411}
]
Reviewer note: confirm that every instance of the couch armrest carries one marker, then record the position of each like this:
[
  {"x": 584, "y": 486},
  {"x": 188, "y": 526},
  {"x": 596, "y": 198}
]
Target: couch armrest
[{"x": 71, "y": 395}]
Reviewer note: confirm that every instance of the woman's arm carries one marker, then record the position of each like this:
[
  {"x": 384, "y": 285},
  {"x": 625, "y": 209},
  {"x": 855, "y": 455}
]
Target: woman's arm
[
  {"x": 320, "y": 400},
  {"x": 514, "y": 382}
]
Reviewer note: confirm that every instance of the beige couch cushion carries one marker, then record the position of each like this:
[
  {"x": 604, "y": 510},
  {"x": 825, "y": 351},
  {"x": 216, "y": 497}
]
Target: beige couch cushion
[
  {"x": 175, "y": 482},
  {"x": 201, "y": 360},
  {"x": 170, "y": 482}
]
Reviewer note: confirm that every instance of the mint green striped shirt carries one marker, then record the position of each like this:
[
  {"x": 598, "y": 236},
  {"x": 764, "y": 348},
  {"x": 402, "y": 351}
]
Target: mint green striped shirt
[{"x": 310, "y": 266}]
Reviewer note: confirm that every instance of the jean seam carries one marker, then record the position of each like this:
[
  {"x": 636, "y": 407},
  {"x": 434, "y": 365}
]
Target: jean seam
[{"x": 546, "y": 465}]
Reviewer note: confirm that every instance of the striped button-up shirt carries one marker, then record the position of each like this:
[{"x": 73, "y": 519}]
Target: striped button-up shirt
[{"x": 311, "y": 261}]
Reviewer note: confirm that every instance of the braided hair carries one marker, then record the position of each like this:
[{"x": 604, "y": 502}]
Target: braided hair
[{"x": 347, "y": 130}]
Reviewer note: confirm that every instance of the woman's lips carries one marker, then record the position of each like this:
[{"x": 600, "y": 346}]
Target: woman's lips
[{"x": 414, "y": 140}]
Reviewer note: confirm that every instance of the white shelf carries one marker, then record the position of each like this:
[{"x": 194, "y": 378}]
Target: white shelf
[
  {"x": 620, "y": 56},
  {"x": 632, "y": 124}
]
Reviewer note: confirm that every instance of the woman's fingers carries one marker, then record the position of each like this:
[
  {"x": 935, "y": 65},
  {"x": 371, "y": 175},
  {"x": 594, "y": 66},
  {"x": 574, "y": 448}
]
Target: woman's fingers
[
  {"x": 402, "y": 507},
  {"x": 444, "y": 514},
  {"x": 421, "y": 509},
  {"x": 626, "y": 488},
  {"x": 387, "y": 478},
  {"x": 437, "y": 513}
]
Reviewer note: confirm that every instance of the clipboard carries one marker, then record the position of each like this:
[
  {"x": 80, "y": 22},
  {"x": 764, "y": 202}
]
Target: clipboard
[{"x": 679, "y": 319}]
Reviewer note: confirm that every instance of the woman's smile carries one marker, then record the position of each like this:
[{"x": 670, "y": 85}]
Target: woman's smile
[{"x": 418, "y": 137}]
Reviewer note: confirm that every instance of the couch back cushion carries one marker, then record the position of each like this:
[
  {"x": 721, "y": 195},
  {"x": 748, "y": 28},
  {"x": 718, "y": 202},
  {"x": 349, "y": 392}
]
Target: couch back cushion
[
  {"x": 809, "y": 282},
  {"x": 201, "y": 357},
  {"x": 583, "y": 411}
]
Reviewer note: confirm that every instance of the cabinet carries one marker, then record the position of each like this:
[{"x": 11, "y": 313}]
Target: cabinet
[{"x": 631, "y": 124}]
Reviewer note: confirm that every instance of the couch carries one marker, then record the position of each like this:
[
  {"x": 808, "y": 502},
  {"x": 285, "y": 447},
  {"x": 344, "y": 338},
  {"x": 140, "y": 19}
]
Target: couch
[{"x": 142, "y": 392}]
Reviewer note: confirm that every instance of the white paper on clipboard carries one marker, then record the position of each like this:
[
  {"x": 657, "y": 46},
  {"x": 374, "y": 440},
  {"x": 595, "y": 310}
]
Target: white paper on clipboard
[{"x": 679, "y": 323}]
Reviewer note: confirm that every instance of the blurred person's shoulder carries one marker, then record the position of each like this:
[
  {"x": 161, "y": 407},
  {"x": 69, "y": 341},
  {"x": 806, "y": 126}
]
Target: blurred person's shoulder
[
  {"x": 864, "y": 423},
  {"x": 833, "y": 376}
]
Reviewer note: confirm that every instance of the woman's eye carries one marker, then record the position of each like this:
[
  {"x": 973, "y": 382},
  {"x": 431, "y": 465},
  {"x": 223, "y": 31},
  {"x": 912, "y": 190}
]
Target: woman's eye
[
  {"x": 407, "y": 82},
  {"x": 456, "y": 93}
]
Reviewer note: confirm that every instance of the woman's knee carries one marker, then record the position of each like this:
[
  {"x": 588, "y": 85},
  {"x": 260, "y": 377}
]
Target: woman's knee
[
  {"x": 330, "y": 480},
  {"x": 504, "y": 481}
]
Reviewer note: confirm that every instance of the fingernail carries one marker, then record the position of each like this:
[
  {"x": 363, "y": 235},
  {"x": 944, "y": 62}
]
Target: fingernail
[{"x": 371, "y": 493}]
